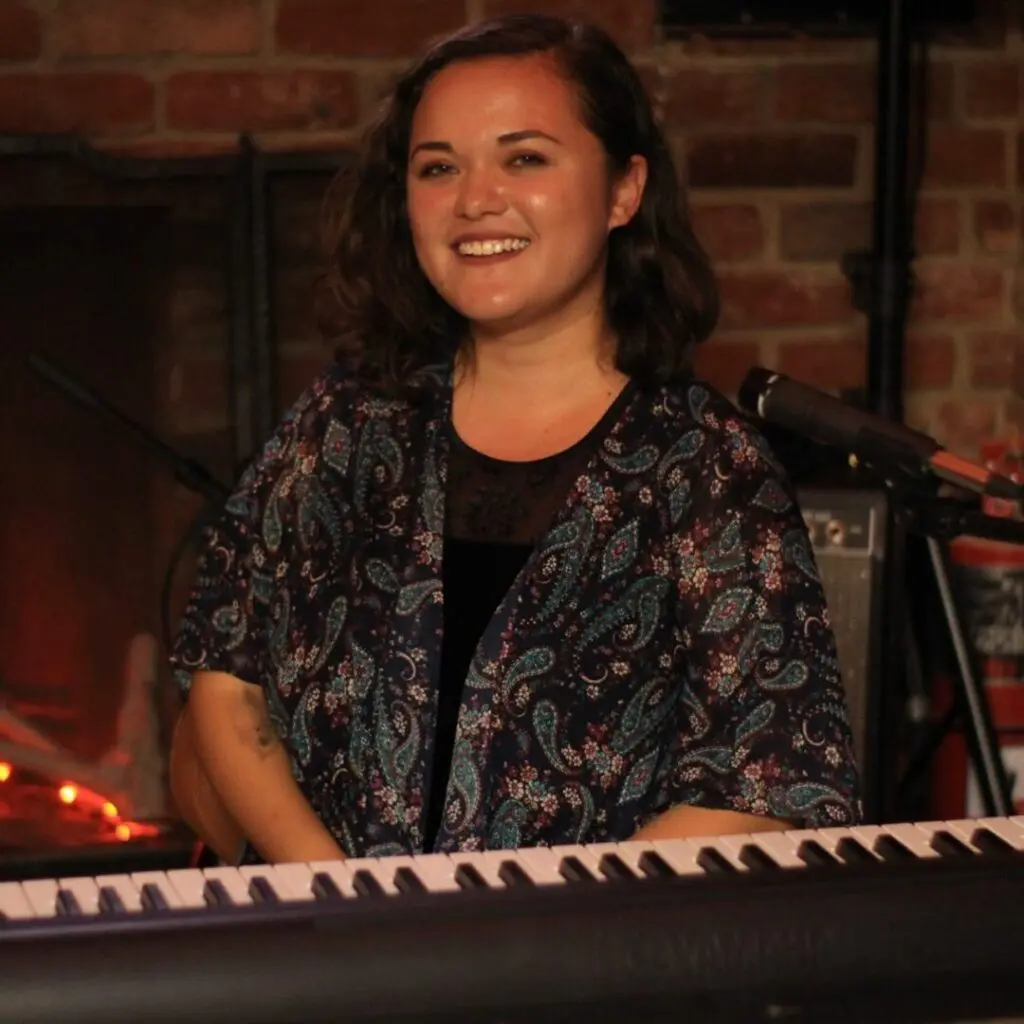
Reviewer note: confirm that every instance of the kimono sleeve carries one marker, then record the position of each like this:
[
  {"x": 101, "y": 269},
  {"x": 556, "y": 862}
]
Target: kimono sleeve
[
  {"x": 763, "y": 726},
  {"x": 226, "y": 621}
]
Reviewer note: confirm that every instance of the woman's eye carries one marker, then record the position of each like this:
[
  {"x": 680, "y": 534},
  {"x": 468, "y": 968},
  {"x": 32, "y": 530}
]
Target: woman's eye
[
  {"x": 528, "y": 160},
  {"x": 433, "y": 170}
]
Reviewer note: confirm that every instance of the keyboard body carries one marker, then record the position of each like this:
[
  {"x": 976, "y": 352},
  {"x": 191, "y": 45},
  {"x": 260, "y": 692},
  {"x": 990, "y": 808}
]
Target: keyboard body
[{"x": 913, "y": 922}]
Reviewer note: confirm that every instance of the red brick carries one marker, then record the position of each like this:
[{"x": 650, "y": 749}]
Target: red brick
[
  {"x": 771, "y": 161},
  {"x": 965, "y": 425},
  {"x": 992, "y": 89},
  {"x": 833, "y": 93},
  {"x": 698, "y": 96},
  {"x": 929, "y": 361},
  {"x": 257, "y": 101},
  {"x": 824, "y": 232},
  {"x": 723, "y": 363},
  {"x": 101, "y": 103},
  {"x": 629, "y": 22},
  {"x": 101, "y": 28},
  {"x": 729, "y": 232},
  {"x": 765, "y": 298},
  {"x": 991, "y": 356},
  {"x": 938, "y": 227},
  {"x": 964, "y": 156},
  {"x": 995, "y": 226},
  {"x": 385, "y": 28},
  {"x": 21, "y": 37},
  {"x": 959, "y": 292},
  {"x": 158, "y": 147},
  {"x": 827, "y": 364}
]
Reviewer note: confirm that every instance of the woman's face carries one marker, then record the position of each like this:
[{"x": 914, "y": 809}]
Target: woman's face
[{"x": 509, "y": 196}]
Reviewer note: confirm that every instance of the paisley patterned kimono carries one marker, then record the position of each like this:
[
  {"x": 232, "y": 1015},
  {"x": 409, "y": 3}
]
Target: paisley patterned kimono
[{"x": 667, "y": 642}]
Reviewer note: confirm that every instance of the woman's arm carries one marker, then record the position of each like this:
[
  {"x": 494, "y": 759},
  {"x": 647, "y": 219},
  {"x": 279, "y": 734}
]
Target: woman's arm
[{"x": 246, "y": 765}]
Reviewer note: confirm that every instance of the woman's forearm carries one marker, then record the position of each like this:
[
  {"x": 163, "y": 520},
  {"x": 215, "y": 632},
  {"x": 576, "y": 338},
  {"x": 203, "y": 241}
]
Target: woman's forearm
[{"x": 249, "y": 768}]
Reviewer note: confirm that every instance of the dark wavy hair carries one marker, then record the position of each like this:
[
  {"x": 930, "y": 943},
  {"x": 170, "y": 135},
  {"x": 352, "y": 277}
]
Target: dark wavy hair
[{"x": 385, "y": 316}]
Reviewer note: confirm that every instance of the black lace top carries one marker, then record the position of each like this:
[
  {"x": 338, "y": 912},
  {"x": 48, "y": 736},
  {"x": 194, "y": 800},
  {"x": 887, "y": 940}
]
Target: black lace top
[{"x": 496, "y": 511}]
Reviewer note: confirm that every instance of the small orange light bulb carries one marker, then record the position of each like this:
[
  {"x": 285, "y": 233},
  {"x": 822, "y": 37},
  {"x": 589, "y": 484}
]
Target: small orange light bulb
[
  {"x": 68, "y": 793},
  {"x": 109, "y": 810},
  {"x": 5, "y": 771},
  {"x": 123, "y": 832}
]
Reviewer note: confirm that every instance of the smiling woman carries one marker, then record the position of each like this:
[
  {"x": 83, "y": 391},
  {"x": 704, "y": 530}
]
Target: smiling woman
[{"x": 508, "y": 574}]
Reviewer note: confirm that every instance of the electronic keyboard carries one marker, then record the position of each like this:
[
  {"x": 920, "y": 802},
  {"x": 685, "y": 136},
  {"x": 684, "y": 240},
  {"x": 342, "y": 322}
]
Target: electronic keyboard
[{"x": 907, "y": 922}]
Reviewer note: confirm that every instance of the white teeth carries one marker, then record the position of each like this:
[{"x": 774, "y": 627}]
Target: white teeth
[{"x": 492, "y": 246}]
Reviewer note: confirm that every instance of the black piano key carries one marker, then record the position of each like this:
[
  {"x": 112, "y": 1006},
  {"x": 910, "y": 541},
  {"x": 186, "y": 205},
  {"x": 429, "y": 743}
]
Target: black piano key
[
  {"x": 512, "y": 874},
  {"x": 850, "y": 851},
  {"x": 67, "y": 904},
  {"x": 467, "y": 877},
  {"x": 110, "y": 901},
  {"x": 152, "y": 898},
  {"x": 753, "y": 857},
  {"x": 406, "y": 880},
  {"x": 992, "y": 844},
  {"x": 365, "y": 884},
  {"x": 653, "y": 865},
  {"x": 814, "y": 855},
  {"x": 711, "y": 861},
  {"x": 325, "y": 888},
  {"x": 614, "y": 868},
  {"x": 890, "y": 849},
  {"x": 215, "y": 894},
  {"x": 572, "y": 869},
  {"x": 945, "y": 844},
  {"x": 261, "y": 890}
]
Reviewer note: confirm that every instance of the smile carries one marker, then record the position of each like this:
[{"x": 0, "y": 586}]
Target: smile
[{"x": 492, "y": 246}]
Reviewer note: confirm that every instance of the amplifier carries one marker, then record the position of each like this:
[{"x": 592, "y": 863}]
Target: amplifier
[{"x": 848, "y": 531}]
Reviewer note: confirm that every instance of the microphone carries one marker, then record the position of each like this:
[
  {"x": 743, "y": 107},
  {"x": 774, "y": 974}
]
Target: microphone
[{"x": 787, "y": 403}]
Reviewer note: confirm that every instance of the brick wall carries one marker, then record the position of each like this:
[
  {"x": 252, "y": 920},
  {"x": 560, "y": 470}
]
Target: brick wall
[{"x": 775, "y": 137}]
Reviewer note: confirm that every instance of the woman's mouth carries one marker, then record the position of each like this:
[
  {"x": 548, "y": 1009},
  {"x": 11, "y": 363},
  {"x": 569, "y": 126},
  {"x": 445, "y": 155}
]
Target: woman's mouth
[{"x": 489, "y": 249}]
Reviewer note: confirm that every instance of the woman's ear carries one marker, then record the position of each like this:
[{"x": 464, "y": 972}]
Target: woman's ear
[{"x": 627, "y": 193}]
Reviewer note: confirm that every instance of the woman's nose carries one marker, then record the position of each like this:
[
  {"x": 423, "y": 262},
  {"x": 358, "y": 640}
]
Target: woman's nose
[{"x": 479, "y": 194}]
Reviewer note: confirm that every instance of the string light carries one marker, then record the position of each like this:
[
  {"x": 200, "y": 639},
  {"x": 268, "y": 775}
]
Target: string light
[
  {"x": 5, "y": 771},
  {"x": 109, "y": 810},
  {"x": 68, "y": 793}
]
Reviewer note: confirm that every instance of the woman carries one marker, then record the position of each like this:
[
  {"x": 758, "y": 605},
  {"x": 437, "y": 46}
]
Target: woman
[{"x": 508, "y": 574}]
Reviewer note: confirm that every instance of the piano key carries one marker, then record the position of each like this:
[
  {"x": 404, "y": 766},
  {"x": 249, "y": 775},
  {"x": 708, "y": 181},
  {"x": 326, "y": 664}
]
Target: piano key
[
  {"x": 190, "y": 886},
  {"x": 85, "y": 891},
  {"x": 68, "y": 905},
  {"x": 14, "y": 905},
  {"x": 756, "y": 858},
  {"x": 407, "y": 881},
  {"x": 155, "y": 890},
  {"x": 948, "y": 844},
  {"x": 236, "y": 886},
  {"x": 487, "y": 863},
  {"x": 436, "y": 871},
  {"x": 680, "y": 854},
  {"x": 714, "y": 862},
  {"x": 468, "y": 877},
  {"x": 913, "y": 838},
  {"x": 514, "y": 874},
  {"x": 126, "y": 890},
  {"x": 853, "y": 850},
  {"x": 110, "y": 901},
  {"x": 1007, "y": 828},
  {"x": 41, "y": 894},
  {"x": 261, "y": 890},
  {"x": 777, "y": 845},
  {"x": 290, "y": 881},
  {"x": 216, "y": 894},
  {"x": 615, "y": 869},
  {"x": 366, "y": 884},
  {"x": 653, "y": 865},
  {"x": 629, "y": 852},
  {"x": 817, "y": 855},
  {"x": 572, "y": 869},
  {"x": 331, "y": 878},
  {"x": 893, "y": 850},
  {"x": 991, "y": 844},
  {"x": 540, "y": 863}
]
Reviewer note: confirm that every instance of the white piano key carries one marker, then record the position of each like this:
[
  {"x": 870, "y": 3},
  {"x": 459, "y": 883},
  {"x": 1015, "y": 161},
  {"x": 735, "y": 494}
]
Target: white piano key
[
  {"x": 680, "y": 855},
  {"x": 1005, "y": 828},
  {"x": 539, "y": 863},
  {"x": 292, "y": 882},
  {"x": 628, "y": 852},
  {"x": 14, "y": 904},
  {"x": 381, "y": 868},
  {"x": 189, "y": 884},
  {"x": 125, "y": 888},
  {"x": 41, "y": 893},
  {"x": 915, "y": 839},
  {"x": 488, "y": 863},
  {"x": 777, "y": 845},
  {"x": 436, "y": 871},
  {"x": 85, "y": 892},
  {"x": 590, "y": 860},
  {"x": 158, "y": 879},
  {"x": 338, "y": 872},
  {"x": 236, "y": 885}
]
